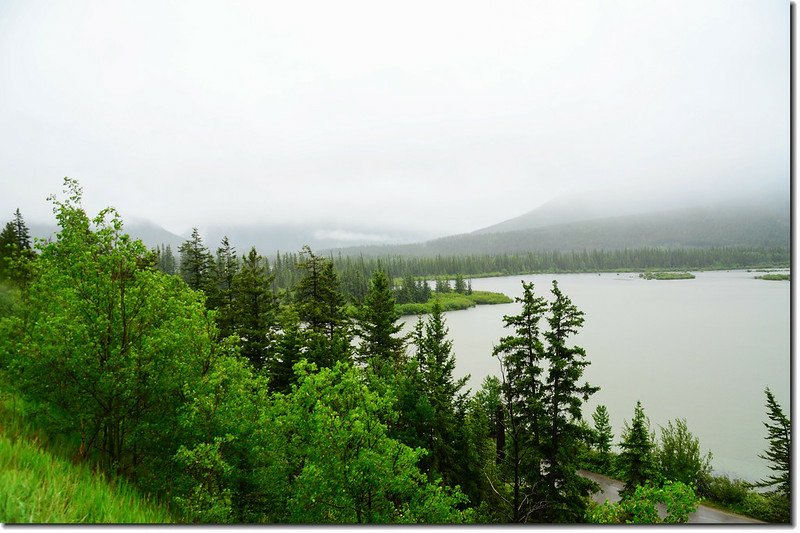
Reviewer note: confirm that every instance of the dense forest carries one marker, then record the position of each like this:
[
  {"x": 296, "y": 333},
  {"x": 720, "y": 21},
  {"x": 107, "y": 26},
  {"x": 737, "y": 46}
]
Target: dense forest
[
  {"x": 236, "y": 390},
  {"x": 354, "y": 272}
]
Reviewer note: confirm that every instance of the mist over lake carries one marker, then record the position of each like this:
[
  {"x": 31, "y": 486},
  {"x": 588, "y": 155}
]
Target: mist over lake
[{"x": 701, "y": 349}]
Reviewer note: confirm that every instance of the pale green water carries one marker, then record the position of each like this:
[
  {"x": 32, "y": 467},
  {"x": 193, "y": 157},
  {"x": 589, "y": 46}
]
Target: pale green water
[{"x": 701, "y": 349}]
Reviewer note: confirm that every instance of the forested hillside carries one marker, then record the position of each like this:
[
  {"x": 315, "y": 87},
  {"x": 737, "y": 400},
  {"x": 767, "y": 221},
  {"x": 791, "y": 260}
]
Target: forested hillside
[{"x": 699, "y": 227}]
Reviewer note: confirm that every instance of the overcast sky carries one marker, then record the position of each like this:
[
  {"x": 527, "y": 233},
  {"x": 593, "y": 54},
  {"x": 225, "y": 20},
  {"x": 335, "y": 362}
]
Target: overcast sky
[{"x": 438, "y": 117}]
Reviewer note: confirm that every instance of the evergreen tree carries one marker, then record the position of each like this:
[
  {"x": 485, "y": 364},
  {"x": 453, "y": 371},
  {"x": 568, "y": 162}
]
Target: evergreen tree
[
  {"x": 321, "y": 307},
  {"x": 563, "y": 397},
  {"x": 253, "y": 308},
  {"x": 779, "y": 455},
  {"x": 443, "y": 285},
  {"x": 168, "y": 263},
  {"x": 637, "y": 457},
  {"x": 521, "y": 358},
  {"x": 436, "y": 364},
  {"x": 381, "y": 349},
  {"x": 197, "y": 264},
  {"x": 15, "y": 250},
  {"x": 288, "y": 350},
  {"x": 603, "y": 435},
  {"x": 221, "y": 297},
  {"x": 459, "y": 286},
  {"x": 423, "y": 293}
]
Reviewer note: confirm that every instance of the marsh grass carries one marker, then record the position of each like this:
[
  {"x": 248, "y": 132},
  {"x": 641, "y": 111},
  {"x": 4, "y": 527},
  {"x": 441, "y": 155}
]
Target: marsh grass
[
  {"x": 453, "y": 301},
  {"x": 667, "y": 275}
]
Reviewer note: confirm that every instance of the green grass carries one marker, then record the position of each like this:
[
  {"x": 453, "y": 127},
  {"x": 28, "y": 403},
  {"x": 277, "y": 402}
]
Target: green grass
[
  {"x": 774, "y": 277},
  {"x": 453, "y": 301},
  {"x": 40, "y": 484},
  {"x": 666, "y": 275}
]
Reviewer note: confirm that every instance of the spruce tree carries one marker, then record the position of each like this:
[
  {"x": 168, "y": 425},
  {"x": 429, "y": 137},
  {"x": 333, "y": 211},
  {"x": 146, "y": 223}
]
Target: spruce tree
[
  {"x": 197, "y": 264},
  {"x": 221, "y": 297},
  {"x": 637, "y": 457},
  {"x": 436, "y": 365},
  {"x": 459, "y": 286},
  {"x": 779, "y": 455},
  {"x": 168, "y": 264},
  {"x": 253, "y": 308},
  {"x": 564, "y": 395},
  {"x": 288, "y": 350},
  {"x": 381, "y": 349},
  {"x": 521, "y": 357},
  {"x": 603, "y": 435},
  {"x": 23, "y": 238},
  {"x": 15, "y": 250},
  {"x": 321, "y": 307}
]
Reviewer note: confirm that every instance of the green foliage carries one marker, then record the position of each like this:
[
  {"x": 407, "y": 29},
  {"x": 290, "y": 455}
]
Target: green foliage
[
  {"x": 737, "y": 496},
  {"x": 104, "y": 341},
  {"x": 326, "y": 457},
  {"x": 679, "y": 455},
  {"x": 219, "y": 426},
  {"x": 641, "y": 506},
  {"x": 667, "y": 275}
]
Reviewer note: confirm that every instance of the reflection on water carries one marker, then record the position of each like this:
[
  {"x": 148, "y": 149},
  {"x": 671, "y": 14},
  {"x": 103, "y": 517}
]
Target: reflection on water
[{"x": 701, "y": 349}]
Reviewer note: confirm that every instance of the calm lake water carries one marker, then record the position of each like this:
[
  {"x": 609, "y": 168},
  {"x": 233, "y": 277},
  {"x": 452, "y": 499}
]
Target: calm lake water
[{"x": 701, "y": 349}]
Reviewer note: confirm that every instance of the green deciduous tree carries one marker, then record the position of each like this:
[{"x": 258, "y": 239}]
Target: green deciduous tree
[
  {"x": 679, "y": 455},
  {"x": 105, "y": 341},
  {"x": 327, "y": 458},
  {"x": 641, "y": 506}
]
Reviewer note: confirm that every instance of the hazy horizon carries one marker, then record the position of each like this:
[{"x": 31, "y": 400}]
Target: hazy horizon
[{"x": 423, "y": 121}]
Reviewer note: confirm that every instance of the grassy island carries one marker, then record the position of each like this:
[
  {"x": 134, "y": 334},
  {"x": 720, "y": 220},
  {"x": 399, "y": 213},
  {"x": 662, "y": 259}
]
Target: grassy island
[
  {"x": 774, "y": 277},
  {"x": 666, "y": 275},
  {"x": 453, "y": 301}
]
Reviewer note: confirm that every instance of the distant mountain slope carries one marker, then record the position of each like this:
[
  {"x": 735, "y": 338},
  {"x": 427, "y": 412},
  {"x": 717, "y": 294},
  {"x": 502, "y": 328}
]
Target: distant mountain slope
[
  {"x": 592, "y": 205},
  {"x": 720, "y": 225},
  {"x": 150, "y": 233}
]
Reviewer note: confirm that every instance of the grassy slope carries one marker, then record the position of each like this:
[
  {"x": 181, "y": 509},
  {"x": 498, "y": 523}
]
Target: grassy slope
[{"x": 39, "y": 485}]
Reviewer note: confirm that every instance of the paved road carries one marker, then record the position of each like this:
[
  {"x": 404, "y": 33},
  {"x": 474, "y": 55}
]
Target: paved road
[{"x": 609, "y": 490}]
